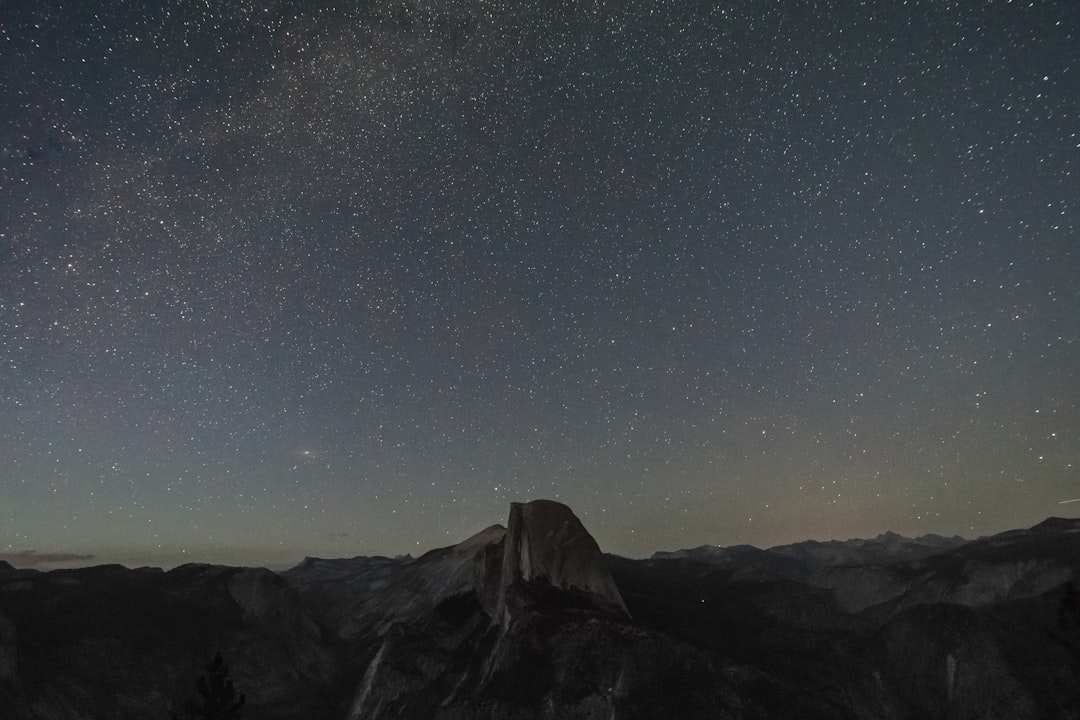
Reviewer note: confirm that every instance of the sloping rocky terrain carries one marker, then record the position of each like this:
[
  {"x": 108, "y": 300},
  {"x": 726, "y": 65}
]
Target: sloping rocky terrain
[{"x": 531, "y": 621}]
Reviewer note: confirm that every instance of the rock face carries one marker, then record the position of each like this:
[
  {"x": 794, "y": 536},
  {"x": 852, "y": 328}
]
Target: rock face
[
  {"x": 547, "y": 544},
  {"x": 526, "y": 622}
]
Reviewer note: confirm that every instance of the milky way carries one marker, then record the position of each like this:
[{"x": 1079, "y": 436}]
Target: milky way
[{"x": 313, "y": 278}]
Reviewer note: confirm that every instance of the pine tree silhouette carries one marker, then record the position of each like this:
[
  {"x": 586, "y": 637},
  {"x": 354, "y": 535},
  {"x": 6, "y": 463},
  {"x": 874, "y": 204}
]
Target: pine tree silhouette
[{"x": 217, "y": 697}]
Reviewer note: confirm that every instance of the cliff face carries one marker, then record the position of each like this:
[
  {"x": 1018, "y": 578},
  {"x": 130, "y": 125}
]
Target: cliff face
[
  {"x": 529, "y": 624},
  {"x": 546, "y": 544},
  {"x": 547, "y": 660}
]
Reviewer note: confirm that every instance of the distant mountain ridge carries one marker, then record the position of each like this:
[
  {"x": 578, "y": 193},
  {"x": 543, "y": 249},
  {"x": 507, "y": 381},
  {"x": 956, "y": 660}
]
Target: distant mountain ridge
[{"x": 885, "y": 549}]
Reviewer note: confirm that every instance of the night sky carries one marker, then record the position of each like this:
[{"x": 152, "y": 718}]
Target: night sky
[{"x": 347, "y": 277}]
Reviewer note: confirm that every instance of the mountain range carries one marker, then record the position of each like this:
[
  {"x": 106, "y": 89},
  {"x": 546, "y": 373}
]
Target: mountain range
[{"x": 531, "y": 620}]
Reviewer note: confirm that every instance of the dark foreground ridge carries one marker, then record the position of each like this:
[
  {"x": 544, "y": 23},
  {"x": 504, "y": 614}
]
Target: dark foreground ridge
[{"x": 532, "y": 621}]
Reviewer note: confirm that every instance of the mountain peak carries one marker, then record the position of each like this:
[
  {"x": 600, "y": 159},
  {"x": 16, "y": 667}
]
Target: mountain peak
[
  {"x": 547, "y": 543},
  {"x": 1057, "y": 524}
]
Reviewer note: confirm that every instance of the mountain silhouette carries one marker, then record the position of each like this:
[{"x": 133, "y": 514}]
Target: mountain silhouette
[{"x": 530, "y": 620}]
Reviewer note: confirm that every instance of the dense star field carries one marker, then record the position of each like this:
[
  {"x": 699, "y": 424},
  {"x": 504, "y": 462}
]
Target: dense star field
[{"x": 333, "y": 278}]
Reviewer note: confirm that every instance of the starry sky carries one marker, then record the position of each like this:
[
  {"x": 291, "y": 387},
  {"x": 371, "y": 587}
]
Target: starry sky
[{"x": 342, "y": 277}]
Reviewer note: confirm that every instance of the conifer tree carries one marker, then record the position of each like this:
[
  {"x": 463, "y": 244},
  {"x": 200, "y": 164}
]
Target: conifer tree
[{"x": 217, "y": 696}]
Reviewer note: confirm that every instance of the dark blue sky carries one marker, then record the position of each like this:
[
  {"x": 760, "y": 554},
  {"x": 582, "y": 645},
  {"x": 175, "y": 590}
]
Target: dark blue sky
[{"x": 282, "y": 279}]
